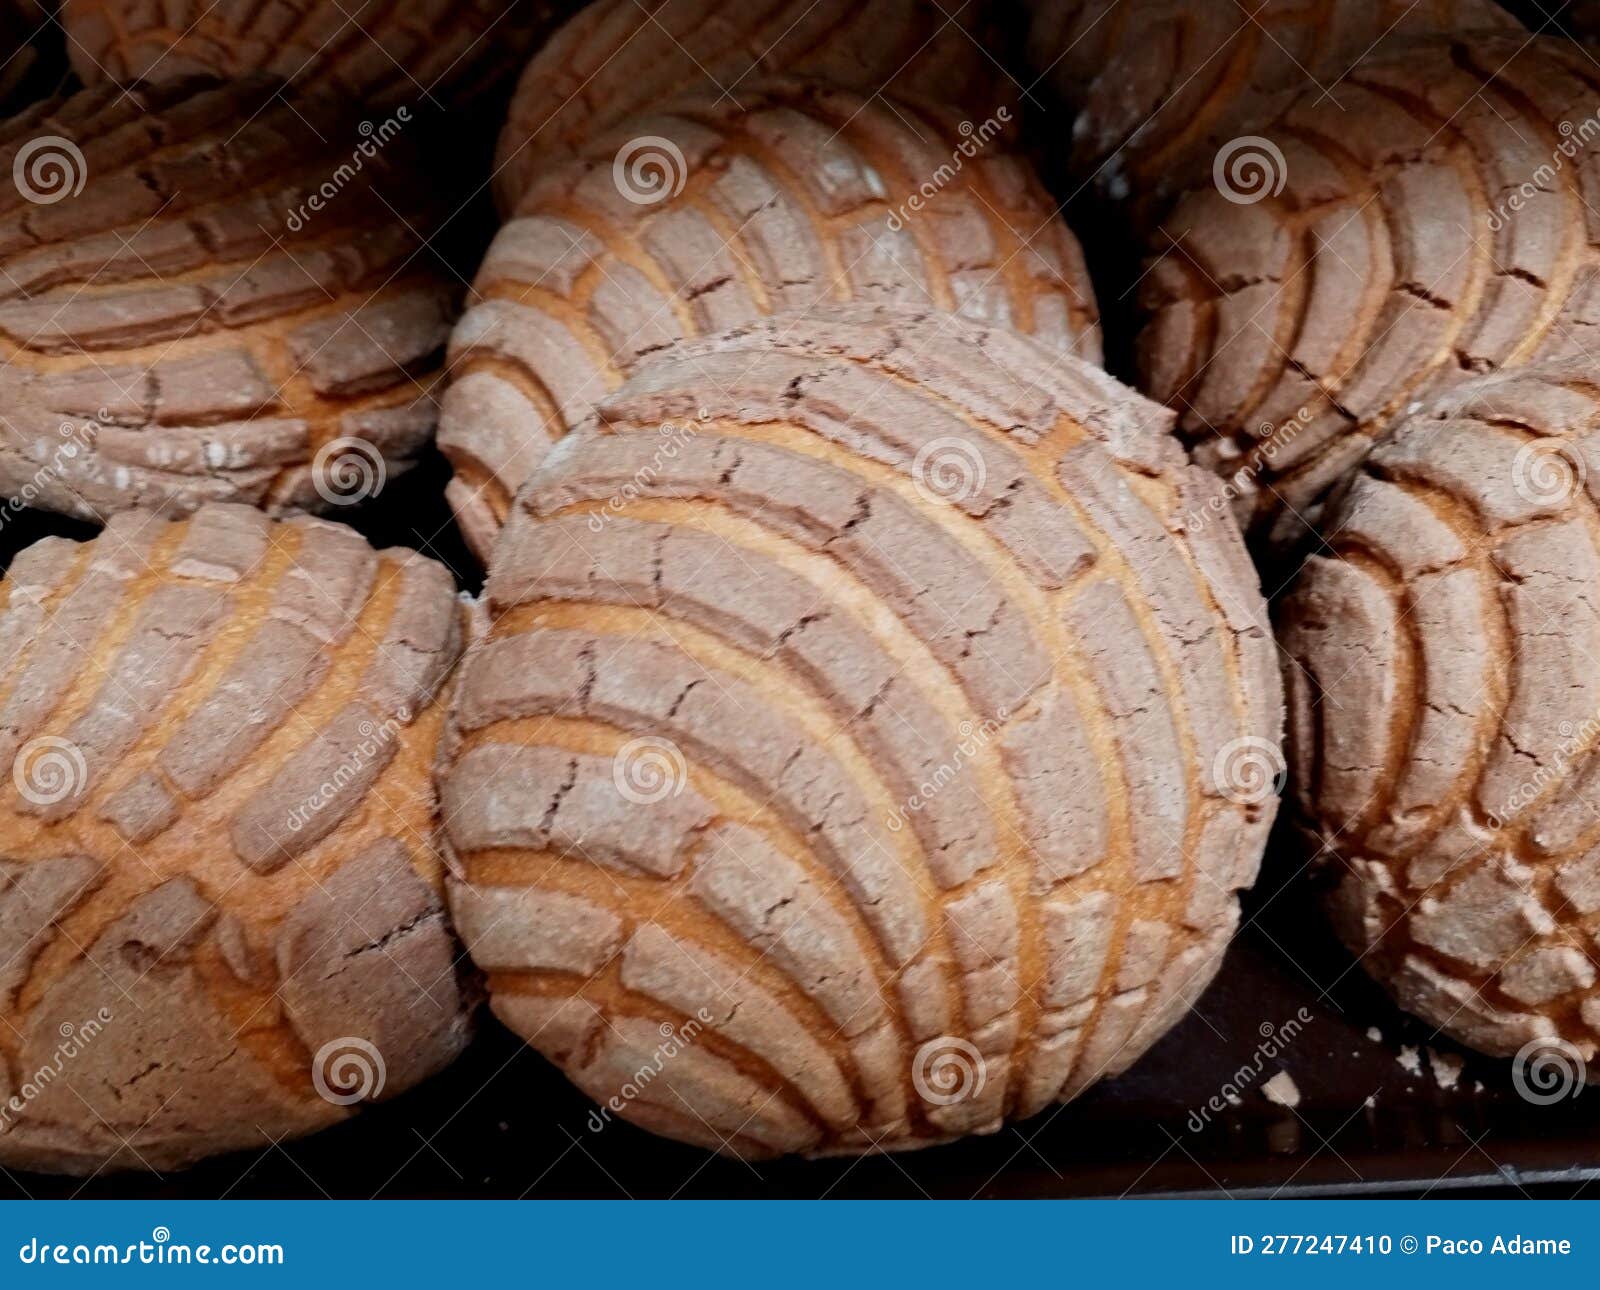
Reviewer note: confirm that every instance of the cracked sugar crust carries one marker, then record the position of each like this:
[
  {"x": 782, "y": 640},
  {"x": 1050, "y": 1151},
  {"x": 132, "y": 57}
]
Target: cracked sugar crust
[
  {"x": 1434, "y": 225},
  {"x": 795, "y": 196},
  {"x": 218, "y": 828},
  {"x": 1444, "y": 707},
  {"x": 1160, "y": 85},
  {"x": 188, "y": 329},
  {"x": 777, "y": 760},
  {"x": 618, "y": 58},
  {"x": 381, "y": 52}
]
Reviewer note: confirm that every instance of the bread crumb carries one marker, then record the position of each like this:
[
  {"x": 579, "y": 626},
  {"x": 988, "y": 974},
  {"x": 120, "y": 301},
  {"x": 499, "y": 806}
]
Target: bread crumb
[
  {"x": 1374, "y": 1034},
  {"x": 1282, "y": 1089},
  {"x": 1446, "y": 1068},
  {"x": 1410, "y": 1060}
]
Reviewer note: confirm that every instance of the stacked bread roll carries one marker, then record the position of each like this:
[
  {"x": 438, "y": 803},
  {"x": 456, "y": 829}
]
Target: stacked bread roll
[
  {"x": 858, "y": 698},
  {"x": 1161, "y": 85},
  {"x": 1417, "y": 238},
  {"x": 1445, "y": 710},
  {"x": 616, "y": 59},
  {"x": 211, "y": 293},
  {"x": 873, "y": 700},
  {"x": 220, "y": 903},
  {"x": 1379, "y": 338},
  {"x": 712, "y": 214}
]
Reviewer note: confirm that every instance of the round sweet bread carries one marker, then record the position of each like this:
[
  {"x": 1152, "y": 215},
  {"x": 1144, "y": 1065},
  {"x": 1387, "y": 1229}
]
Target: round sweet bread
[
  {"x": 1443, "y": 701},
  {"x": 1434, "y": 223},
  {"x": 877, "y": 719},
  {"x": 221, "y": 919},
  {"x": 712, "y": 214},
  {"x": 617, "y": 58},
  {"x": 1162, "y": 84},
  {"x": 378, "y": 53},
  {"x": 209, "y": 293}
]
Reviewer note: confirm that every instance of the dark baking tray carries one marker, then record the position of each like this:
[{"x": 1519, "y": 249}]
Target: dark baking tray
[{"x": 1373, "y": 1118}]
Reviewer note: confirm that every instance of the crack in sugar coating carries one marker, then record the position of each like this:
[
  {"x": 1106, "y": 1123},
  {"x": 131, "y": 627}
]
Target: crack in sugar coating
[
  {"x": 186, "y": 328},
  {"x": 939, "y": 777},
  {"x": 618, "y": 58},
  {"x": 1444, "y": 705},
  {"x": 1161, "y": 84},
  {"x": 218, "y": 827},
  {"x": 796, "y": 196},
  {"x": 382, "y": 52},
  {"x": 1433, "y": 225}
]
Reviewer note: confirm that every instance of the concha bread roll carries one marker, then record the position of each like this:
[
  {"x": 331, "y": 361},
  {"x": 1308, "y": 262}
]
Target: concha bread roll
[
  {"x": 220, "y": 901},
  {"x": 795, "y": 196},
  {"x": 1434, "y": 223},
  {"x": 1163, "y": 84},
  {"x": 871, "y": 724},
  {"x": 209, "y": 293},
  {"x": 376, "y": 51},
  {"x": 1444, "y": 710},
  {"x": 617, "y": 58}
]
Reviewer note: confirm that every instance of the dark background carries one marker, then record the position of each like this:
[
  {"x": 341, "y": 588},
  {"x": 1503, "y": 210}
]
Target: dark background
[{"x": 504, "y": 1123}]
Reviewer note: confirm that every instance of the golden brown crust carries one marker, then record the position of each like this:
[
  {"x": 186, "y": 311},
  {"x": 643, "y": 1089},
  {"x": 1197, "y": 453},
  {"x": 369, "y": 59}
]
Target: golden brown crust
[
  {"x": 210, "y": 293},
  {"x": 711, "y": 214},
  {"x": 862, "y": 720},
  {"x": 1445, "y": 709},
  {"x": 219, "y": 894},
  {"x": 1435, "y": 224}
]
